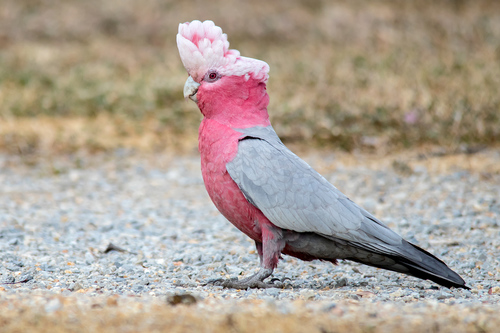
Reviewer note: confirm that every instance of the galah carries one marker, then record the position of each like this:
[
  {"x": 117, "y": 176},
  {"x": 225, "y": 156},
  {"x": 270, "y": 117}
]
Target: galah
[{"x": 264, "y": 189}]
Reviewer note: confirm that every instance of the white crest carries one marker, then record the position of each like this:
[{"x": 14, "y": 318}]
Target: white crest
[{"x": 203, "y": 46}]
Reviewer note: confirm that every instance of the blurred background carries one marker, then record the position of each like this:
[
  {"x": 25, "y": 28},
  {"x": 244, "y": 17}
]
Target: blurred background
[{"x": 100, "y": 75}]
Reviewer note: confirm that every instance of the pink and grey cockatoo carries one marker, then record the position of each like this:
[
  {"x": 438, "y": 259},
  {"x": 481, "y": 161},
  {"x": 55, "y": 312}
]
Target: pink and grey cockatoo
[{"x": 264, "y": 189}]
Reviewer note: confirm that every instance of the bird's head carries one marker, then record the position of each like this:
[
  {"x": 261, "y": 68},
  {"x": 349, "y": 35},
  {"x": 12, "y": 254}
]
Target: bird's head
[{"x": 221, "y": 82}]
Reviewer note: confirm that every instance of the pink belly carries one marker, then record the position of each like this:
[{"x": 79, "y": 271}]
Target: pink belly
[{"x": 218, "y": 145}]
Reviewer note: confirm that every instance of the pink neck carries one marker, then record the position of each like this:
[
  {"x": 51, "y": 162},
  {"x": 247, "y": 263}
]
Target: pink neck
[{"x": 235, "y": 102}]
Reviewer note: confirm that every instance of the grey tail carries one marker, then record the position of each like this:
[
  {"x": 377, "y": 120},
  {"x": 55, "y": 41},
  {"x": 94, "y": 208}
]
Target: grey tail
[{"x": 415, "y": 261}]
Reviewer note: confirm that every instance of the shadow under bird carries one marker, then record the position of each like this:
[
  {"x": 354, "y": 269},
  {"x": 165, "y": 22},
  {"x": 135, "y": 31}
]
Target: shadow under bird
[{"x": 264, "y": 189}]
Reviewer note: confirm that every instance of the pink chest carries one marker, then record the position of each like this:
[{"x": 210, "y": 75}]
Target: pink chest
[{"x": 218, "y": 145}]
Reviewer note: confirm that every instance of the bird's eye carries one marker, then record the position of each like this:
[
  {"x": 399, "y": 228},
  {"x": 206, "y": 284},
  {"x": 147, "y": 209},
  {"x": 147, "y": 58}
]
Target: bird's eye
[{"x": 212, "y": 76}]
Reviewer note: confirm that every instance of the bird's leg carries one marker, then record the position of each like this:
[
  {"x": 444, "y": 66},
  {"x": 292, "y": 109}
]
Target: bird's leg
[
  {"x": 269, "y": 251},
  {"x": 253, "y": 281},
  {"x": 258, "y": 246}
]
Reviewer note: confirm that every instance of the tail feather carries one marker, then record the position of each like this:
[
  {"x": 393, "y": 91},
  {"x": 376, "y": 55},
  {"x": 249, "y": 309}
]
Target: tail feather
[
  {"x": 405, "y": 258},
  {"x": 419, "y": 263}
]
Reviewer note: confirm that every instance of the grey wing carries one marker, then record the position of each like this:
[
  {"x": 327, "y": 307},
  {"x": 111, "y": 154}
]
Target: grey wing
[{"x": 294, "y": 196}]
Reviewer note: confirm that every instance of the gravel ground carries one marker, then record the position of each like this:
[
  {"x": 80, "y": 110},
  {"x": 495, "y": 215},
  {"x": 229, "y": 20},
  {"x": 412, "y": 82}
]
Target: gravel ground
[{"x": 125, "y": 225}]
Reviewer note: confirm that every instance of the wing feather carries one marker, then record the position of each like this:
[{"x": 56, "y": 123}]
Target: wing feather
[{"x": 295, "y": 197}]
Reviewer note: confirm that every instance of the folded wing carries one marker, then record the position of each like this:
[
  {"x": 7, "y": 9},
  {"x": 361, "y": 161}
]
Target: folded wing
[{"x": 294, "y": 196}]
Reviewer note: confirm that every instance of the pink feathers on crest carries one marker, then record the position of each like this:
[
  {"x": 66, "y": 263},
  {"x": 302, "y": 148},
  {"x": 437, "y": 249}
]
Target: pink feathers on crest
[{"x": 203, "y": 46}]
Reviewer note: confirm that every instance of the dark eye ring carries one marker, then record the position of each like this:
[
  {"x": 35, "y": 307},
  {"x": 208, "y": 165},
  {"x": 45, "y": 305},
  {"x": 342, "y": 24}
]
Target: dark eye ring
[{"x": 212, "y": 76}]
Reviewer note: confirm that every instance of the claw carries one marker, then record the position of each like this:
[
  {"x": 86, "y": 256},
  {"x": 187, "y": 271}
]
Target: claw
[
  {"x": 279, "y": 283},
  {"x": 254, "y": 281}
]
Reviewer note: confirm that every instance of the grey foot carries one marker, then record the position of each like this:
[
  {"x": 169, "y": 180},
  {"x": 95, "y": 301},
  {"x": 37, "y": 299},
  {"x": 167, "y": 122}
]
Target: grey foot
[{"x": 254, "y": 281}]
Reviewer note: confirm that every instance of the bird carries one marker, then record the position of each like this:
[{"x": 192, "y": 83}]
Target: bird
[{"x": 268, "y": 192}]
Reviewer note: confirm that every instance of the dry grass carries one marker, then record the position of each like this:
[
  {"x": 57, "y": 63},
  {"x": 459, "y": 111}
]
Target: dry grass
[
  {"x": 343, "y": 73},
  {"x": 121, "y": 314},
  {"x": 28, "y": 136}
]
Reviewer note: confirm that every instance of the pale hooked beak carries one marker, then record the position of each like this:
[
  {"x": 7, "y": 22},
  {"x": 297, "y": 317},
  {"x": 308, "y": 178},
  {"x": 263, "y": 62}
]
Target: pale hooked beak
[{"x": 190, "y": 89}]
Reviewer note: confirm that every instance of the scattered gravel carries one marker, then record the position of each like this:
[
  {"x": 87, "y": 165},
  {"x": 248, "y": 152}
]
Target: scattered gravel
[{"x": 130, "y": 225}]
